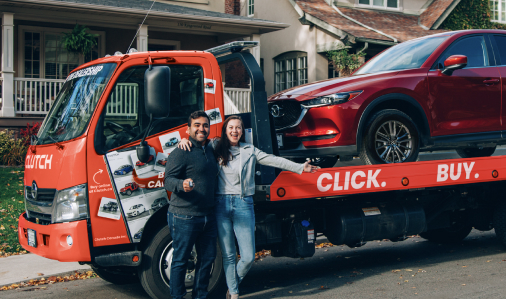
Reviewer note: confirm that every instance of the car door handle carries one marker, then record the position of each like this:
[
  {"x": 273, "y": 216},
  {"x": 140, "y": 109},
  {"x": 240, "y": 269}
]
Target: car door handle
[{"x": 491, "y": 81}]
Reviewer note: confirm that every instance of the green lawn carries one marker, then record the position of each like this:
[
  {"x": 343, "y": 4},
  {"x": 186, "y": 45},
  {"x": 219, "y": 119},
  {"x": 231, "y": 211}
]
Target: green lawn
[{"x": 11, "y": 206}]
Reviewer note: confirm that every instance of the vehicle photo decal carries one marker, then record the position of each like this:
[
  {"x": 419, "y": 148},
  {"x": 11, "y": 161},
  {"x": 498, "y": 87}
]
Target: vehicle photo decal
[
  {"x": 169, "y": 142},
  {"x": 136, "y": 228},
  {"x": 210, "y": 85},
  {"x": 121, "y": 164},
  {"x": 161, "y": 161},
  {"x": 128, "y": 188},
  {"x": 141, "y": 167},
  {"x": 109, "y": 208},
  {"x": 214, "y": 116}
]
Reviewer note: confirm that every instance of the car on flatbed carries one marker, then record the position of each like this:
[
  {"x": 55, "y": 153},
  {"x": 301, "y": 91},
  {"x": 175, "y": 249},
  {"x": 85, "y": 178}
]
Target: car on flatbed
[{"x": 442, "y": 91}]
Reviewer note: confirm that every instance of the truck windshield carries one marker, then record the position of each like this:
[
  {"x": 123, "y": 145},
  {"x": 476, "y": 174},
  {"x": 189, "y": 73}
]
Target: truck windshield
[
  {"x": 72, "y": 110},
  {"x": 407, "y": 55}
]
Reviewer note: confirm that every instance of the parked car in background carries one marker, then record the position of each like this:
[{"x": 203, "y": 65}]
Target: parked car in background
[
  {"x": 129, "y": 188},
  {"x": 437, "y": 92},
  {"x": 173, "y": 141},
  {"x": 162, "y": 162},
  {"x": 139, "y": 163},
  {"x": 138, "y": 234},
  {"x": 136, "y": 210},
  {"x": 124, "y": 169},
  {"x": 159, "y": 203}
]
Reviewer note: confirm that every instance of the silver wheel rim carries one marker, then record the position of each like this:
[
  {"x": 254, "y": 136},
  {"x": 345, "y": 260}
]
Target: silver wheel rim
[
  {"x": 166, "y": 262},
  {"x": 393, "y": 142}
]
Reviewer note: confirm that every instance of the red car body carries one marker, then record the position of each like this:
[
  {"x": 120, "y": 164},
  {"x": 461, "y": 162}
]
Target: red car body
[
  {"x": 129, "y": 188},
  {"x": 162, "y": 162},
  {"x": 460, "y": 110},
  {"x": 139, "y": 163}
]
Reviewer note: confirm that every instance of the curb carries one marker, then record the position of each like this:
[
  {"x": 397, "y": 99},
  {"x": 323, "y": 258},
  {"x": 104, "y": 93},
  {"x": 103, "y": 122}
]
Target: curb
[{"x": 47, "y": 276}]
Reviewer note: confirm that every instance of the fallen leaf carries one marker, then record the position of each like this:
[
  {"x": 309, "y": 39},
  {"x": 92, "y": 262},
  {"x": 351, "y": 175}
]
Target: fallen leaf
[{"x": 40, "y": 274}]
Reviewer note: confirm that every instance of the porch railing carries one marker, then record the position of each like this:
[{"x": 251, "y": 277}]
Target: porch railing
[
  {"x": 240, "y": 100},
  {"x": 35, "y": 96}
]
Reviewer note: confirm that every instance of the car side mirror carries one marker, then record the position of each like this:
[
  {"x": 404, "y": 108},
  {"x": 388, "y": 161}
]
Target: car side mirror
[
  {"x": 453, "y": 63},
  {"x": 143, "y": 152},
  {"x": 157, "y": 91}
]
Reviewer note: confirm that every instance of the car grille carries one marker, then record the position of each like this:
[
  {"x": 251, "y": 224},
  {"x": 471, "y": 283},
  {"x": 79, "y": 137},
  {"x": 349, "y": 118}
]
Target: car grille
[
  {"x": 43, "y": 195},
  {"x": 289, "y": 113}
]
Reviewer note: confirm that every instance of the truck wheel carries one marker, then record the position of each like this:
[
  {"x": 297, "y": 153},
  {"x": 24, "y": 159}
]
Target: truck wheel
[
  {"x": 474, "y": 152},
  {"x": 117, "y": 276},
  {"x": 454, "y": 234},
  {"x": 500, "y": 222},
  {"x": 129, "y": 192},
  {"x": 154, "y": 272},
  {"x": 391, "y": 137}
]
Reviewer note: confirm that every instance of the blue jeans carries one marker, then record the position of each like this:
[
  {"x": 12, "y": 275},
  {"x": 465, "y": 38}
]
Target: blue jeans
[
  {"x": 236, "y": 219},
  {"x": 186, "y": 232}
]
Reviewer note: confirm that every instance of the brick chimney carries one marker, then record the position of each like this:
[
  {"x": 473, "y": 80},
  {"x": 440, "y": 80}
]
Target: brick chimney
[{"x": 233, "y": 7}]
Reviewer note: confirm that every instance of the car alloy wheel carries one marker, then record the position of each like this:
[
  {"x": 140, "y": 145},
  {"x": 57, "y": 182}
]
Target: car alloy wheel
[
  {"x": 393, "y": 142},
  {"x": 166, "y": 262}
]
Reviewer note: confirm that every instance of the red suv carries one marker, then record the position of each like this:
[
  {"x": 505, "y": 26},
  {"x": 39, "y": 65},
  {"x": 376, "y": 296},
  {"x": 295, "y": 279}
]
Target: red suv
[{"x": 437, "y": 92}]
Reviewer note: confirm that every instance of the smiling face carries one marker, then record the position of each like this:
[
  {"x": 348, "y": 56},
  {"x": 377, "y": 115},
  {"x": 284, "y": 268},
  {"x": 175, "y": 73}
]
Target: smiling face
[
  {"x": 199, "y": 129},
  {"x": 234, "y": 131}
]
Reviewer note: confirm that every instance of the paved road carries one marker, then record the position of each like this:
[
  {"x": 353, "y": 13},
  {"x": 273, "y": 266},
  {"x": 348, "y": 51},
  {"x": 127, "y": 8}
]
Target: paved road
[{"x": 413, "y": 268}]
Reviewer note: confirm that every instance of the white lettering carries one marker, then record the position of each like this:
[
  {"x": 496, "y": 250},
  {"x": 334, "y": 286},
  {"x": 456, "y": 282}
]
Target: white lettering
[
  {"x": 453, "y": 176},
  {"x": 347, "y": 180},
  {"x": 336, "y": 183},
  {"x": 161, "y": 175},
  {"x": 442, "y": 172},
  {"x": 468, "y": 169},
  {"x": 372, "y": 178},
  {"x": 319, "y": 182},
  {"x": 48, "y": 162},
  {"x": 354, "y": 180},
  {"x": 158, "y": 184},
  {"x": 41, "y": 166},
  {"x": 151, "y": 184}
]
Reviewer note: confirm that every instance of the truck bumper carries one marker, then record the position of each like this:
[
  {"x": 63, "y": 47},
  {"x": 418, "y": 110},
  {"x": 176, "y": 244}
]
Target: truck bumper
[{"x": 52, "y": 240}]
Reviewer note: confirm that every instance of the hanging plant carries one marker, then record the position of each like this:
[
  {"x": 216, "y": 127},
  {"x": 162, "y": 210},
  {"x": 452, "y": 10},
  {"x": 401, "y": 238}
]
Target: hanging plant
[
  {"x": 79, "y": 40},
  {"x": 344, "y": 62}
]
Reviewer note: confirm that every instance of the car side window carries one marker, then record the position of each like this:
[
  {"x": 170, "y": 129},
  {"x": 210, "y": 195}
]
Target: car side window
[
  {"x": 500, "y": 41},
  {"x": 474, "y": 47}
]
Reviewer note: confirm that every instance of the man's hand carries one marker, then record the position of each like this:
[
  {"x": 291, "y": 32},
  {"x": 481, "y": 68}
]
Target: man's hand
[
  {"x": 310, "y": 168},
  {"x": 186, "y": 185}
]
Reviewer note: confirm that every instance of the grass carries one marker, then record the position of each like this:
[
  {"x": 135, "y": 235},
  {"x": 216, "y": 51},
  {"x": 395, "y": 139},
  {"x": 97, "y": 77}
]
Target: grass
[{"x": 11, "y": 206}]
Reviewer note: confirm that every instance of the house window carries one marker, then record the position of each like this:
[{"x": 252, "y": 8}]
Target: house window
[
  {"x": 45, "y": 56},
  {"x": 251, "y": 7},
  {"x": 497, "y": 10},
  {"x": 290, "y": 69},
  {"x": 388, "y": 4}
]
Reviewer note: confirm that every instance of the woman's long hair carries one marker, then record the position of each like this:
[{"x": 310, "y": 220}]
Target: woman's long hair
[{"x": 222, "y": 150}]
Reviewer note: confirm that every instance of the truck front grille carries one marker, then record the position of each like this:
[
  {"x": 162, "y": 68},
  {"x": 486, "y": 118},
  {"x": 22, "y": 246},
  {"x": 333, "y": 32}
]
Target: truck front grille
[
  {"x": 286, "y": 114},
  {"x": 43, "y": 195}
]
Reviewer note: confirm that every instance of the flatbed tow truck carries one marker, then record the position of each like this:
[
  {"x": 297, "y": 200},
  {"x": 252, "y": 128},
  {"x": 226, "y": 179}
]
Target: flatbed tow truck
[{"x": 119, "y": 110}]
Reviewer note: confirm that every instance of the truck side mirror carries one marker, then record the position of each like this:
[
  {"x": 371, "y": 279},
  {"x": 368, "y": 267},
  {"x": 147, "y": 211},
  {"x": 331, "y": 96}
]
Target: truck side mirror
[
  {"x": 157, "y": 91},
  {"x": 156, "y": 102},
  {"x": 453, "y": 63}
]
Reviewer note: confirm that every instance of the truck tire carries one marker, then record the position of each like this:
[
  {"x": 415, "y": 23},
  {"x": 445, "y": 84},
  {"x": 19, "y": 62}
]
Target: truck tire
[
  {"x": 152, "y": 272},
  {"x": 454, "y": 234},
  {"x": 474, "y": 152},
  {"x": 117, "y": 276},
  {"x": 500, "y": 222},
  {"x": 391, "y": 137}
]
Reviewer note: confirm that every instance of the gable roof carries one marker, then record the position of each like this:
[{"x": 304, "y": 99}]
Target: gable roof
[
  {"x": 402, "y": 27},
  {"x": 437, "y": 11}
]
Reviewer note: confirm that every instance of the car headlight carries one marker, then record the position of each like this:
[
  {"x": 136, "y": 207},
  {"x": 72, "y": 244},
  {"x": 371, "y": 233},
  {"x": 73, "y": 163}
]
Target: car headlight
[
  {"x": 331, "y": 99},
  {"x": 71, "y": 204}
]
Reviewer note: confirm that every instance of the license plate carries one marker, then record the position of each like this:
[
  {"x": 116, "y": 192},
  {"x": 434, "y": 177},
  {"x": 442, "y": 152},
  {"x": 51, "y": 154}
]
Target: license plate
[
  {"x": 279, "y": 137},
  {"x": 32, "y": 237}
]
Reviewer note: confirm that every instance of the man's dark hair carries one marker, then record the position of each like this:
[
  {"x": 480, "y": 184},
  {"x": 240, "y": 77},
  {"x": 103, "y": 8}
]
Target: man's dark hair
[{"x": 197, "y": 114}]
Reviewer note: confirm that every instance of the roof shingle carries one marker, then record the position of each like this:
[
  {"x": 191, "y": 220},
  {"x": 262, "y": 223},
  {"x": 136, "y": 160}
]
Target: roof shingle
[{"x": 434, "y": 11}]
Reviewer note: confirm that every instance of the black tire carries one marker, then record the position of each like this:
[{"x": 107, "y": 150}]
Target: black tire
[
  {"x": 454, "y": 234},
  {"x": 129, "y": 192},
  {"x": 474, "y": 152},
  {"x": 119, "y": 276},
  {"x": 154, "y": 282},
  {"x": 499, "y": 221},
  {"x": 388, "y": 149},
  {"x": 323, "y": 162}
]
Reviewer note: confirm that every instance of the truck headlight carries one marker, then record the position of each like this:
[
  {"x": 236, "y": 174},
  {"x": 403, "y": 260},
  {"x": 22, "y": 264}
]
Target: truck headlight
[
  {"x": 71, "y": 204},
  {"x": 331, "y": 99}
]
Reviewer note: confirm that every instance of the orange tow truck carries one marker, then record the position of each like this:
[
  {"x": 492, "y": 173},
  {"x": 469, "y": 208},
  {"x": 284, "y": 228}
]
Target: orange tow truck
[{"x": 114, "y": 114}]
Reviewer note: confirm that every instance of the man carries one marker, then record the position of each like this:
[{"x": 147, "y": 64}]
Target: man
[{"x": 190, "y": 176}]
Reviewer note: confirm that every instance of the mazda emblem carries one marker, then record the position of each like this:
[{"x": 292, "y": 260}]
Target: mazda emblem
[
  {"x": 276, "y": 111},
  {"x": 34, "y": 190}
]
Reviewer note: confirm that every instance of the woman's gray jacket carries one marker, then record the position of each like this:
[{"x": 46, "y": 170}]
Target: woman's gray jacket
[{"x": 250, "y": 155}]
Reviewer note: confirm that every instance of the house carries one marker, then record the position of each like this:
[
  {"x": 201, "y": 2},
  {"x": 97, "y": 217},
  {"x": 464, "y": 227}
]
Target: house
[
  {"x": 34, "y": 64},
  {"x": 297, "y": 55}
]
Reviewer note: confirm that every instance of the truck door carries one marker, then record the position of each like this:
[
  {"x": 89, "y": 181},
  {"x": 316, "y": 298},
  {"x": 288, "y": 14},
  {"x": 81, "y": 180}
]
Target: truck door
[
  {"x": 499, "y": 43},
  {"x": 122, "y": 123}
]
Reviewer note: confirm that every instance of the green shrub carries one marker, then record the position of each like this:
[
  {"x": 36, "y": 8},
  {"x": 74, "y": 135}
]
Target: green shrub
[
  {"x": 12, "y": 150},
  {"x": 471, "y": 14}
]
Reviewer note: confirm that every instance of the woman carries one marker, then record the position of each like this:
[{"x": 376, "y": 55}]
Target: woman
[{"x": 234, "y": 196}]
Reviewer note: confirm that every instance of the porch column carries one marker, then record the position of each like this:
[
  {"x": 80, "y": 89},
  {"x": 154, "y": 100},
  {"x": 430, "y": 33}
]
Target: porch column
[
  {"x": 8, "y": 65},
  {"x": 256, "y": 50},
  {"x": 142, "y": 39}
]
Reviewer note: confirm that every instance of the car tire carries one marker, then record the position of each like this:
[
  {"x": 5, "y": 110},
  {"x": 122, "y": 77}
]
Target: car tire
[
  {"x": 129, "y": 192},
  {"x": 119, "y": 275},
  {"x": 152, "y": 271},
  {"x": 474, "y": 152},
  {"x": 323, "y": 162},
  {"x": 390, "y": 134}
]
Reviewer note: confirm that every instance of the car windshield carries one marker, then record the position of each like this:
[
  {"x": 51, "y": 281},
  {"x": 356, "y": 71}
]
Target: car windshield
[
  {"x": 407, "y": 55},
  {"x": 75, "y": 104}
]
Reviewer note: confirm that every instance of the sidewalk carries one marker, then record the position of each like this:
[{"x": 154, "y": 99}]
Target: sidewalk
[{"x": 24, "y": 267}]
